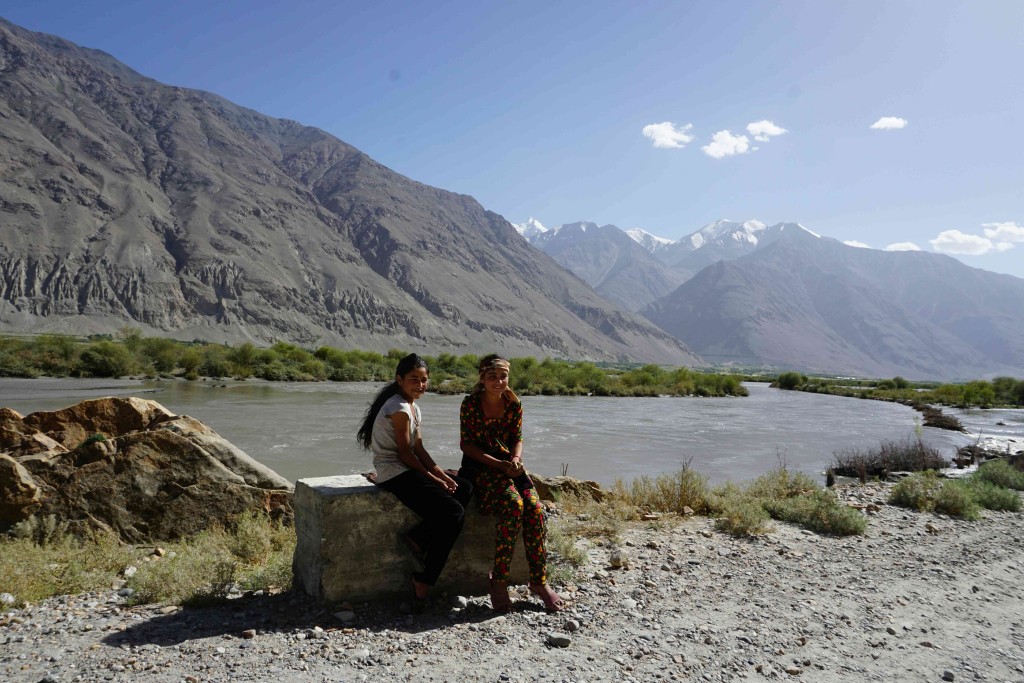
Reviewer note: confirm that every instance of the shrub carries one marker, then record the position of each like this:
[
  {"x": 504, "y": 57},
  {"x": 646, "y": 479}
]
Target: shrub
[
  {"x": 916, "y": 492},
  {"x": 1001, "y": 473},
  {"x": 781, "y": 483},
  {"x": 107, "y": 359},
  {"x": 790, "y": 380},
  {"x": 954, "y": 498},
  {"x": 256, "y": 554},
  {"x": 740, "y": 516},
  {"x": 667, "y": 492},
  {"x": 993, "y": 497},
  {"x": 819, "y": 511},
  {"x": 907, "y": 455}
]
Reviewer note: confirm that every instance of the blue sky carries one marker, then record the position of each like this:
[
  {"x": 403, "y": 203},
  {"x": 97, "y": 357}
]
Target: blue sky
[{"x": 540, "y": 108}]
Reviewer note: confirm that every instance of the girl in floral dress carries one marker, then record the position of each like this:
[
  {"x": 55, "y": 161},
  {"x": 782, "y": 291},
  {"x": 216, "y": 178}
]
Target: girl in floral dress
[{"x": 491, "y": 430}]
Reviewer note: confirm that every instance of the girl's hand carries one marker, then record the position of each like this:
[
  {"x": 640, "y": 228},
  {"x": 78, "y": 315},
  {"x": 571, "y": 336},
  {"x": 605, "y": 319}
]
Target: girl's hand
[
  {"x": 444, "y": 481},
  {"x": 512, "y": 468}
]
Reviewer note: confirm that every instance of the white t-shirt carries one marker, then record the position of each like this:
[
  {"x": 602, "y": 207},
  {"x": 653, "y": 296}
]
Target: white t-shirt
[{"x": 385, "y": 448}]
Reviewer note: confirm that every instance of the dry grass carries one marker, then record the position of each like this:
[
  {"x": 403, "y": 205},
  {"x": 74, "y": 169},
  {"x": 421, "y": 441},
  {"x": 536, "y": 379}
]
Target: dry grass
[
  {"x": 47, "y": 560},
  {"x": 686, "y": 488},
  {"x": 62, "y": 564},
  {"x": 580, "y": 521}
]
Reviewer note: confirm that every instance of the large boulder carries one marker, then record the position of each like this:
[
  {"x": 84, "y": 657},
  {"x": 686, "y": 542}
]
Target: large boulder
[
  {"x": 108, "y": 416},
  {"x": 18, "y": 439},
  {"x": 551, "y": 488},
  {"x": 231, "y": 456},
  {"x": 151, "y": 476},
  {"x": 19, "y": 492}
]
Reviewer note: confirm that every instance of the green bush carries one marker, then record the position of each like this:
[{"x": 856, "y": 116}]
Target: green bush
[
  {"x": 107, "y": 359},
  {"x": 916, "y": 492},
  {"x": 1001, "y": 473},
  {"x": 955, "y": 499},
  {"x": 818, "y": 511},
  {"x": 993, "y": 497},
  {"x": 741, "y": 516},
  {"x": 790, "y": 380}
]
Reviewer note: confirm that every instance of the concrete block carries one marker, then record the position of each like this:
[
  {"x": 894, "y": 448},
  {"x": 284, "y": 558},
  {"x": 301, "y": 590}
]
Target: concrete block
[{"x": 349, "y": 544}]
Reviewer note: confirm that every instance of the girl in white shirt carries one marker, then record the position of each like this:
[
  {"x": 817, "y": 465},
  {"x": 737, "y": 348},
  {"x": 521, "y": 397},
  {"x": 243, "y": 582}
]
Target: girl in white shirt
[{"x": 391, "y": 428}]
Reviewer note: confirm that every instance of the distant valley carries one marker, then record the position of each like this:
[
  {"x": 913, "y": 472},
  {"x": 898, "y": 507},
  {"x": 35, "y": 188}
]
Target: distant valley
[{"x": 781, "y": 296}]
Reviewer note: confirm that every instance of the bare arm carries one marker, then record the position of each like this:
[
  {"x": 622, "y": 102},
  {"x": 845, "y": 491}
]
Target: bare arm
[{"x": 415, "y": 456}]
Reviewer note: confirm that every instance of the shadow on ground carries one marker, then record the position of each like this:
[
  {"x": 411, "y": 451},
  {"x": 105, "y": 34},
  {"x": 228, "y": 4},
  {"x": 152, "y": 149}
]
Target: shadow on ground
[{"x": 288, "y": 613}]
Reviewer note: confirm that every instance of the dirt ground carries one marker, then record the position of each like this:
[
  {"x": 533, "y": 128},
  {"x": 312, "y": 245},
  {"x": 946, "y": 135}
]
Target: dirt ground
[{"x": 919, "y": 598}]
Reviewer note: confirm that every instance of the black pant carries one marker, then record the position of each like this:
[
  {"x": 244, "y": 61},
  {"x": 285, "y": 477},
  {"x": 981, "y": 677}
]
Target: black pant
[{"x": 442, "y": 512}]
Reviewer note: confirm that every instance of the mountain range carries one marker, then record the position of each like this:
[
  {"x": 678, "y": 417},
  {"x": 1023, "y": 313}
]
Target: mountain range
[
  {"x": 124, "y": 201},
  {"x": 784, "y": 297}
]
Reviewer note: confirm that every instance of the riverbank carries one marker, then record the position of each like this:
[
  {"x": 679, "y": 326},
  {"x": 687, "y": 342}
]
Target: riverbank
[{"x": 918, "y": 597}]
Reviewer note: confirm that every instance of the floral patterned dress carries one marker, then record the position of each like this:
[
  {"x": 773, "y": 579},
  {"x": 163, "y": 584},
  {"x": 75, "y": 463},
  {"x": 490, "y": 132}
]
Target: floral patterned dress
[{"x": 514, "y": 502}]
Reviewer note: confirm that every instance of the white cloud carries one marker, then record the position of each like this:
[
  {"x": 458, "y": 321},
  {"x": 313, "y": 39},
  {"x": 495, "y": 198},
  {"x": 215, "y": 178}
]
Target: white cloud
[
  {"x": 1004, "y": 232},
  {"x": 725, "y": 144},
  {"x": 855, "y": 243},
  {"x": 763, "y": 131},
  {"x": 956, "y": 242},
  {"x": 903, "y": 246},
  {"x": 667, "y": 135},
  {"x": 889, "y": 123}
]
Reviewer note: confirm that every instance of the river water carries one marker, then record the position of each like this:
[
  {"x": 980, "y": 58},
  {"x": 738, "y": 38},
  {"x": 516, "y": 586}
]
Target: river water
[{"x": 308, "y": 429}]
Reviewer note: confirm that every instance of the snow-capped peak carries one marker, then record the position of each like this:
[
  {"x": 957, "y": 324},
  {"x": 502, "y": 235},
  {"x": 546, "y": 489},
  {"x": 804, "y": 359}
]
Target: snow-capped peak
[
  {"x": 724, "y": 228},
  {"x": 530, "y": 229},
  {"x": 651, "y": 243}
]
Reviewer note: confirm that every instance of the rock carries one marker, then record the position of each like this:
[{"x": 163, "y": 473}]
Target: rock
[
  {"x": 111, "y": 417},
  {"x": 619, "y": 559},
  {"x": 572, "y": 625},
  {"x": 20, "y": 440},
  {"x": 154, "y": 476},
  {"x": 20, "y": 494},
  {"x": 559, "y": 639},
  {"x": 948, "y": 675},
  {"x": 233, "y": 458},
  {"x": 549, "y": 488}
]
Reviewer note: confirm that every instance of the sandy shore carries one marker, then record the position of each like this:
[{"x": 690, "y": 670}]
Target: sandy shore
[{"x": 919, "y": 598}]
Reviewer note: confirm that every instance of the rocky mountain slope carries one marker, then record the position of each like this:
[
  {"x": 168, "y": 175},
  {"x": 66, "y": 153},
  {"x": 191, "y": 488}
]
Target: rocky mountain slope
[
  {"x": 125, "y": 201},
  {"x": 812, "y": 303},
  {"x": 620, "y": 269}
]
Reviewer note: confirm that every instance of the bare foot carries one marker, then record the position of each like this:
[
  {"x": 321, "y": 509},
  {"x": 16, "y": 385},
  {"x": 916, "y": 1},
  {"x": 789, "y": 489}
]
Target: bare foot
[
  {"x": 500, "y": 602},
  {"x": 552, "y": 601}
]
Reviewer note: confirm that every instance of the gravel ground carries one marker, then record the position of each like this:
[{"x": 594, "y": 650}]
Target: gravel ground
[{"x": 919, "y": 598}]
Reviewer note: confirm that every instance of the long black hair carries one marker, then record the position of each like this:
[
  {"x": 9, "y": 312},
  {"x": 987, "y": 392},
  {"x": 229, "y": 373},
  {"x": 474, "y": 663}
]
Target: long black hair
[{"x": 405, "y": 366}]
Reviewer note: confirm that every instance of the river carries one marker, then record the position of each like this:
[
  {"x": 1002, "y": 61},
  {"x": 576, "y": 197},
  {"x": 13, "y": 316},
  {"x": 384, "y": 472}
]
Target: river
[{"x": 308, "y": 429}]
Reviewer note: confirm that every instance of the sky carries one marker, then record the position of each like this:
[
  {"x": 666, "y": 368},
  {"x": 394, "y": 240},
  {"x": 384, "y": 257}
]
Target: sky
[{"x": 889, "y": 124}]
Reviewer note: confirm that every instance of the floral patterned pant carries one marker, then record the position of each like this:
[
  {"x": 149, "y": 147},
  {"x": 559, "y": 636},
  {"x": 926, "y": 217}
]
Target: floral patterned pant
[{"x": 515, "y": 510}]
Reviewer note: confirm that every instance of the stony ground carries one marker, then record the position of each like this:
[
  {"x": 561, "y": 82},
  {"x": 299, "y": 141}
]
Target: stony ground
[{"x": 920, "y": 598}]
